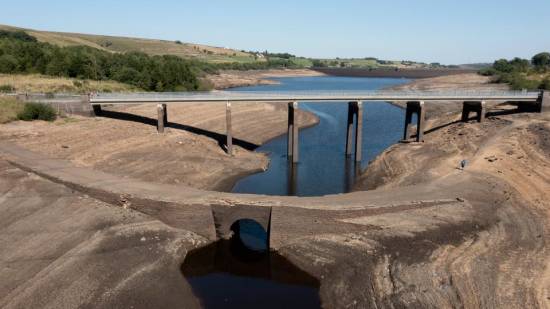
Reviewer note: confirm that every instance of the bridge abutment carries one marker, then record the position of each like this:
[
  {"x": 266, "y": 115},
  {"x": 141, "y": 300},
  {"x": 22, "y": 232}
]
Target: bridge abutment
[
  {"x": 415, "y": 107},
  {"x": 477, "y": 107},
  {"x": 355, "y": 111},
  {"x": 293, "y": 133}
]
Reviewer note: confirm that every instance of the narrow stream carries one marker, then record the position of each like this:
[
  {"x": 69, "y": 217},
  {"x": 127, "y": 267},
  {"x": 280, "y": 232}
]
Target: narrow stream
[
  {"x": 242, "y": 272},
  {"x": 323, "y": 168}
]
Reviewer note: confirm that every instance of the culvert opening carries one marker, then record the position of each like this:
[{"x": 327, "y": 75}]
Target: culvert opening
[{"x": 243, "y": 273}]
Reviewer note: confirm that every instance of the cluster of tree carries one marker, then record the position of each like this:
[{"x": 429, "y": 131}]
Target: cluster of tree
[
  {"x": 270, "y": 63},
  {"x": 17, "y": 35},
  {"x": 522, "y": 73},
  {"x": 21, "y": 54}
]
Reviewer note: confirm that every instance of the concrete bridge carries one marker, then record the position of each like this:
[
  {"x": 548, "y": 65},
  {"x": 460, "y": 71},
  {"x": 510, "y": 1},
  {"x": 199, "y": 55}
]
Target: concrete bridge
[{"x": 472, "y": 101}]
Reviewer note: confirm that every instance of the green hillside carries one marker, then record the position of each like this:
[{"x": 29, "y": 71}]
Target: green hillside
[{"x": 151, "y": 47}]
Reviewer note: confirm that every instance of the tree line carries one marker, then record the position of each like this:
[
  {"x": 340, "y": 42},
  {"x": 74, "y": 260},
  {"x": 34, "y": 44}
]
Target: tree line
[
  {"x": 22, "y": 53},
  {"x": 522, "y": 73}
]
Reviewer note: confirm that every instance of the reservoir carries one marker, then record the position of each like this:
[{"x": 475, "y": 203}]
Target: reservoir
[{"x": 323, "y": 168}]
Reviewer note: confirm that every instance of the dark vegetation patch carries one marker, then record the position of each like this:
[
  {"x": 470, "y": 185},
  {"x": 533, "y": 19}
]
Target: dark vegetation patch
[
  {"x": 6, "y": 88},
  {"x": 522, "y": 73},
  {"x": 23, "y": 54},
  {"x": 37, "y": 111}
]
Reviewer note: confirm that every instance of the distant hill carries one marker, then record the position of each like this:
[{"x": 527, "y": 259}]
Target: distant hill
[
  {"x": 475, "y": 66},
  {"x": 149, "y": 46}
]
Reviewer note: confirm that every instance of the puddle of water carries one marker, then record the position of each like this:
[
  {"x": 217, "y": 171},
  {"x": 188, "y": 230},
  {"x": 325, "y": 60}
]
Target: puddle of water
[{"x": 242, "y": 273}]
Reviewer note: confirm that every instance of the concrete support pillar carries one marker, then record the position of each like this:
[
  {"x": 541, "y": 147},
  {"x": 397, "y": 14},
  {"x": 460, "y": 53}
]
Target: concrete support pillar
[
  {"x": 477, "y": 107},
  {"x": 355, "y": 111},
  {"x": 165, "y": 111},
  {"x": 349, "y": 136},
  {"x": 359, "y": 132},
  {"x": 160, "y": 118},
  {"x": 292, "y": 179},
  {"x": 544, "y": 101},
  {"x": 415, "y": 107},
  {"x": 293, "y": 133},
  {"x": 228, "y": 128}
]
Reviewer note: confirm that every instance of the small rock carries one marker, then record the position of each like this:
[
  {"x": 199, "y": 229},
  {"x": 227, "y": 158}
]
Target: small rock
[
  {"x": 143, "y": 239},
  {"x": 64, "y": 146},
  {"x": 460, "y": 199}
]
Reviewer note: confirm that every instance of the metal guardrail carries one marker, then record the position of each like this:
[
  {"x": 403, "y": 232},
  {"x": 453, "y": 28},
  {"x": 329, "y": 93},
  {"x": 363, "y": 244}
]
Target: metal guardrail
[{"x": 310, "y": 96}]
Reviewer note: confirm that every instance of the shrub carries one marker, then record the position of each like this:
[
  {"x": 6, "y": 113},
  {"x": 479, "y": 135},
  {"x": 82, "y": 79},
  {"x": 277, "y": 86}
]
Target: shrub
[
  {"x": 6, "y": 88},
  {"x": 541, "y": 59},
  {"x": 178, "y": 42},
  {"x": 545, "y": 84},
  {"x": 37, "y": 111}
]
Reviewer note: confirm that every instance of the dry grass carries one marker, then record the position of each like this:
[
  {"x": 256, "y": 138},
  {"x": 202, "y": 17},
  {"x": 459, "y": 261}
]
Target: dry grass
[
  {"x": 148, "y": 46},
  {"x": 45, "y": 84},
  {"x": 9, "y": 108}
]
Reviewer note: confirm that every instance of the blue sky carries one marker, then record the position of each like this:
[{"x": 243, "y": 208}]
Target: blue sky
[{"x": 447, "y": 31}]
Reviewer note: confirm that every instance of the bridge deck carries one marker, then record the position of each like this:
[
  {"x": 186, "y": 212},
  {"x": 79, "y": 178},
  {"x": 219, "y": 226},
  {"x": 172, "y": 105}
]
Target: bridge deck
[{"x": 310, "y": 96}]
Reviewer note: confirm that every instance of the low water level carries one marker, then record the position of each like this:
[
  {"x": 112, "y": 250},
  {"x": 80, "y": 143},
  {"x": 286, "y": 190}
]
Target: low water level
[
  {"x": 242, "y": 273},
  {"x": 323, "y": 168}
]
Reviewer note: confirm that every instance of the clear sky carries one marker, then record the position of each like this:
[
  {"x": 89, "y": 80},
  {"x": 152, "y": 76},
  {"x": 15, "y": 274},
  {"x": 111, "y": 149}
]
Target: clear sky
[{"x": 446, "y": 31}]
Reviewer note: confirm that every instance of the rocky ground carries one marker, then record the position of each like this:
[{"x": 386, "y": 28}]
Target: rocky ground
[{"x": 425, "y": 235}]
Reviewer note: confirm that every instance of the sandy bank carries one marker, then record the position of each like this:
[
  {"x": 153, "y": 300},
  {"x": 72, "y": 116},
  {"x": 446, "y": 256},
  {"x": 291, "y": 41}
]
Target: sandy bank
[
  {"x": 232, "y": 78},
  {"x": 428, "y": 236},
  {"x": 190, "y": 152}
]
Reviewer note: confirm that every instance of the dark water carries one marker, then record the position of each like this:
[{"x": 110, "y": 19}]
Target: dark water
[
  {"x": 323, "y": 168},
  {"x": 242, "y": 273}
]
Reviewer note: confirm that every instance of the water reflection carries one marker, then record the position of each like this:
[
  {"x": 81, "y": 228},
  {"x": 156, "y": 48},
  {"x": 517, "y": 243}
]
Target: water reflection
[
  {"x": 227, "y": 274},
  {"x": 323, "y": 168}
]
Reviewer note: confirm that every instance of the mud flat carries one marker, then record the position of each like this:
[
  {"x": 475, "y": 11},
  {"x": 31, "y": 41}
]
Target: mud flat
[
  {"x": 190, "y": 152},
  {"x": 426, "y": 235}
]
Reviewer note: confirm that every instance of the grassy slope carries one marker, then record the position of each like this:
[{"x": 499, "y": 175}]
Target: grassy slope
[
  {"x": 39, "y": 83},
  {"x": 9, "y": 108},
  {"x": 186, "y": 50},
  {"x": 148, "y": 46}
]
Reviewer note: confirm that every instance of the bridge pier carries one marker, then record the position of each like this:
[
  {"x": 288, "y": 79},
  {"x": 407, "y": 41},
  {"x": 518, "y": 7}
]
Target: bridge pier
[
  {"x": 165, "y": 109},
  {"x": 355, "y": 110},
  {"x": 415, "y": 107},
  {"x": 161, "y": 117},
  {"x": 293, "y": 133},
  {"x": 544, "y": 101},
  {"x": 473, "y": 106},
  {"x": 229, "y": 135}
]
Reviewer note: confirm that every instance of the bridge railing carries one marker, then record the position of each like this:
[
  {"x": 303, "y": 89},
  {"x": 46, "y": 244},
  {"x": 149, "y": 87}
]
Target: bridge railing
[{"x": 374, "y": 95}]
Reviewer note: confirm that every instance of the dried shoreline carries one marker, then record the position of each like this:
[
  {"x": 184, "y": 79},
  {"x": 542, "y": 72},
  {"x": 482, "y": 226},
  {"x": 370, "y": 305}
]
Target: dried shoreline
[{"x": 426, "y": 234}]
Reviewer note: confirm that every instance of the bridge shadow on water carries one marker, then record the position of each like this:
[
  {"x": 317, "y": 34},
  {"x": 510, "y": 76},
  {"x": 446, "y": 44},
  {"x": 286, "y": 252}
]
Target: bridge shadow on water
[
  {"x": 243, "y": 273},
  {"x": 220, "y": 138}
]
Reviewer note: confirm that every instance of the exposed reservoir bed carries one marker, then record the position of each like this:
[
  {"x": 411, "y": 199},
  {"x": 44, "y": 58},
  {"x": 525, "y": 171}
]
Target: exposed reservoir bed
[{"x": 323, "y": 168}]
